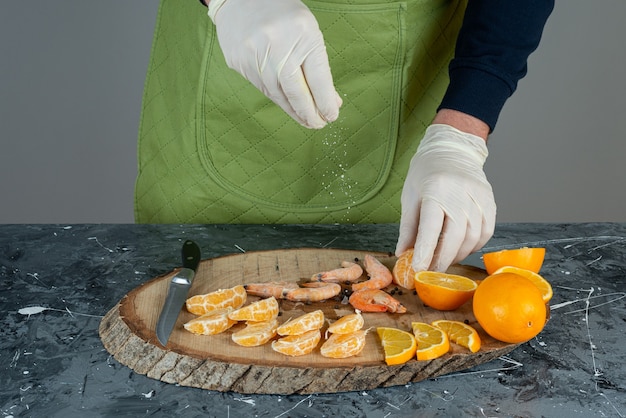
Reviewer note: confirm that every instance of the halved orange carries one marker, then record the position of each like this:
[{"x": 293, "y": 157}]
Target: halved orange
[
  {"x": 234, "y": 297},
  {"x": 444, "y": 291},
  {"x": 432, "y": 342},
  {"x": 261, "y": 310},
  {"x": 298, "y": 345},
  {"x": 212, "y": 323},
  {"x": 529, "y": 258},
  {"x": 399, "y": 346},
  {"x": 347, "y": 324},
  {"x": 460, "y": 333},
  {"x": 303, "y": 323},
  {"x": 256, "y": 333},
  {"x": 544, "y": 286},
  {"x": 403, "y": 273},
  {"x": 344, "y": 345}
]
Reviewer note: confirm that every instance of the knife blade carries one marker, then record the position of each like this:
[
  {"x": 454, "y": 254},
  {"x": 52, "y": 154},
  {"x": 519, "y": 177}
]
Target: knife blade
[
  {"x": 177, "y": 291},
  {"x": 473, "y": 260}
]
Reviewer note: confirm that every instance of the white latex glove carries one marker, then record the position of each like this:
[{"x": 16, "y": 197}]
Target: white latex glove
[
  {"x": 448, "y": 208},
  {"x": 277, "y": 46}
]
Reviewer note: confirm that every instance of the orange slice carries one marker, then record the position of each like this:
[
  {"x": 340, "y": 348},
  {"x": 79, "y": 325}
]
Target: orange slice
[
  {"x": 347, "y": 324},
  {"x": 460, "y": 333},
  {"x": 528, "y": 258},
  {"x": 261, "y": 310},
  {"x": 303, "y": 323},
  {"x": 444, "y": 291},
  {"x": 234, "y": 297},
  {"x": 432, "y": 342},
  {"x": 212, "y": 323},
  {"x": 403, "y": 273},
  {"x": 256, "y": 333},
  {"x": 298, "y": 345},
  {"x": 543, "y": 285},
  {"x": 399, "y": 346},
  {"x": 344, "y": 345}
]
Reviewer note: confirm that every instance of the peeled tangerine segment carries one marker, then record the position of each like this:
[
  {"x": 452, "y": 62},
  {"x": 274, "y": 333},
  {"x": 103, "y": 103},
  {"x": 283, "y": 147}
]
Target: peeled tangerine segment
[
  {"x": 261, "y": 310},
  {"x": 234, "y": 297},
  {"x": 347, "y": 324},
  {"x": 303, "y": 323},
  {"x": 403, "y": 273},
  {"x": 214, "y": 322},
  {"x": 298, "y": 345},
  {"x": 344, "y": 345},
  {"x": 256, "y": 333}
]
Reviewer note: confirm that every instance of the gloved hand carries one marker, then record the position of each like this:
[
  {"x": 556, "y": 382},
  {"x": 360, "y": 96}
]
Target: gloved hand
[
  {"x": 448, "y": 208},
  {"x": 277, "y": 46}
]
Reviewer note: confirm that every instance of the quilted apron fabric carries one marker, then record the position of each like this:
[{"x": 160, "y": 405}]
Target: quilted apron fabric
[{"x": 213, "y": 149}]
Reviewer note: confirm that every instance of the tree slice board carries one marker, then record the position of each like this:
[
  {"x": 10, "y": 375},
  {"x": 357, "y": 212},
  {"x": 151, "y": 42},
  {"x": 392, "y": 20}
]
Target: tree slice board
[{"x": 217, "y": 363}]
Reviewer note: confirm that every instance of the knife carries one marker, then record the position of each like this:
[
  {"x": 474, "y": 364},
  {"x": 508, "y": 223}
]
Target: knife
[
  {"x": 474, "y": 260},
  {"x": 177, "y": 292}
]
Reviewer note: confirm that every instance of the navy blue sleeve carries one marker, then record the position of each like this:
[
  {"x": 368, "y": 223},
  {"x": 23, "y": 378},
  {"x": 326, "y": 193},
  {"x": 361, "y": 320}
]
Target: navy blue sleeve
[{"x": 491, "y": 54}]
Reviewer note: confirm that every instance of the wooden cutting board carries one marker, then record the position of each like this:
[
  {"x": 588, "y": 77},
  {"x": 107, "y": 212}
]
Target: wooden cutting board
[{"x": 217, "y": 363}]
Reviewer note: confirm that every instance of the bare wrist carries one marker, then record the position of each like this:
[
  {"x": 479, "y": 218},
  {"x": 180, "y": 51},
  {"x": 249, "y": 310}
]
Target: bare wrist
[{"x": 463, "y": 122}]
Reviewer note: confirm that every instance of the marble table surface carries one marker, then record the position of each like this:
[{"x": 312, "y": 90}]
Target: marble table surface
[{"x": 57, "y": 281}]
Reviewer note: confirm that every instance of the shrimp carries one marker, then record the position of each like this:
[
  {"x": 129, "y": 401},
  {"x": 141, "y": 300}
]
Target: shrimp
[
  {"x": 348, "y": 272},
  {"x": 310, "y": 292},
  {"x": 380, "y": 276},
  {"x": 268, "y": 289},
  {"x": 375, "y": 300},
  {"x": 313, "y": 292}
]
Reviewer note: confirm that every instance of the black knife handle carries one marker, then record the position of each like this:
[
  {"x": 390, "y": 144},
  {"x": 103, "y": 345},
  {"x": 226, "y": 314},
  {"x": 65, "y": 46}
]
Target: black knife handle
[{"x": 191, "y": 255}]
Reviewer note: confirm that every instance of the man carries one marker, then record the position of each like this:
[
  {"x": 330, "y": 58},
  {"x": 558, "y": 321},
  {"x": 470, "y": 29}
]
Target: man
[{"x": 359, "y": 85}]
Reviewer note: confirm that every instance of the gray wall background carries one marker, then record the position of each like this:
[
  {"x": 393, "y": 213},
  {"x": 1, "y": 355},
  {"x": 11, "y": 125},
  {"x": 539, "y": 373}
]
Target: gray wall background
[{"x": 71, "y": 80}]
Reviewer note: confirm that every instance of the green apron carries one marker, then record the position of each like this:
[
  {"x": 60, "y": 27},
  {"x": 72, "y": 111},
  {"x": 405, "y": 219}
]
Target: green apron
[{"x": 213, "y": 149}]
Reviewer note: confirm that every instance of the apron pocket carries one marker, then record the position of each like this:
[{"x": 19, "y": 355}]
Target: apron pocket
[{"x": 250, "y": 147}]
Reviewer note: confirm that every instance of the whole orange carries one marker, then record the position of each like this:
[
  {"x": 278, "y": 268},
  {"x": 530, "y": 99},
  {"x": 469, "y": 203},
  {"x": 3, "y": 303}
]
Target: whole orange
[{"x": 509, "y": 307}]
